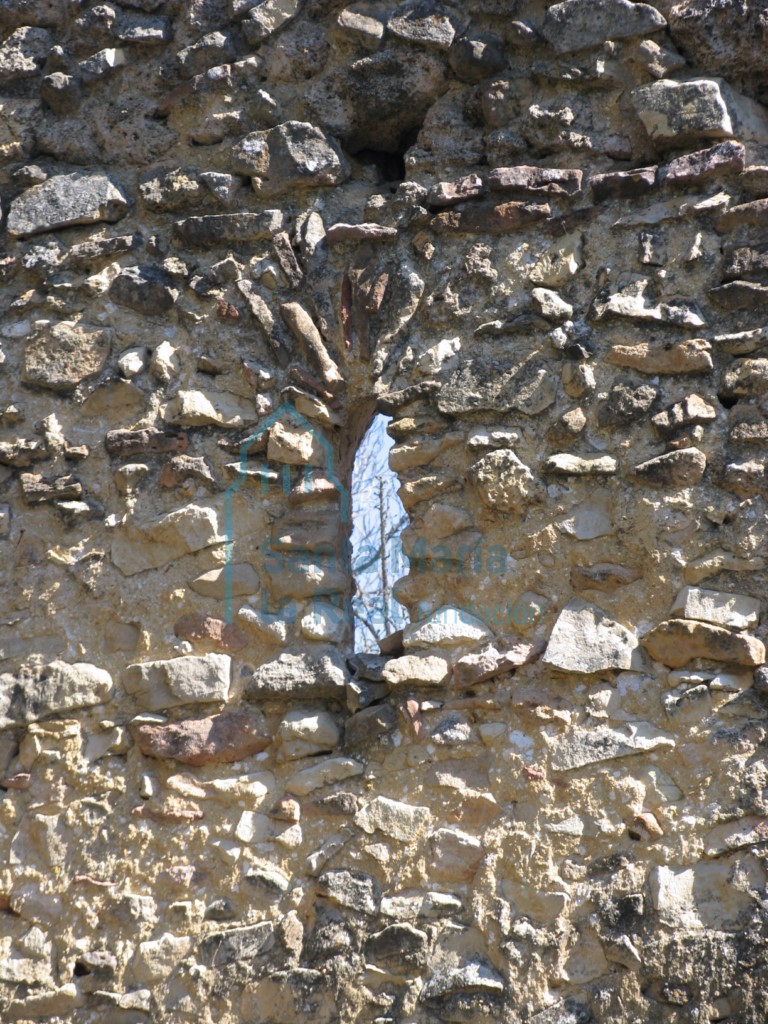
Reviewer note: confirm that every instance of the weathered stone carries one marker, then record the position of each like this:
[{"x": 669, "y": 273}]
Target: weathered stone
[
  {"x": 678, "y": 641},
  {"x": 736, "y": 611},
  {"x": 190, "y": 528},
  {"x": 691, "y": 356},
  {"x": 321, "y": 675},
  {"x": 682, "y": 468},
  {"x": 580, "y": 747},
  {"x": 363, "y": 28},
  {"x": 148, "y": 290},
  {"x": 748, "y": 264},
  {"x": 623, "y": 184},
  {"x": 564, "y": 464},
  {"x": 23, "y": 53},
  {"x": 491, "y": 661},
  {"x": 504, "y": 482},
  {"x": 210, "y": 408},
  {"x": 230, "y": 736},
  {"x": 754, "y": 214},
  {"x": 748, "y": 378},
  {"x": 302, "y": 734},
  {"x": 455, "y": 855},
  {"x": 740, "y": 295},
  {"x": 221, "y": 229},
  {"x": 633, "y": 303},
  {"x": 691, "y": 410},
  {"x": 603, "y": 576},
  {"x": 64, "y": 200},
  {"x": 63, "y": 355},
  {"x": 491, "y": 220},
  {"x": 207, "y": 629},
  {"x": 400, "y": 947},
  {"x": 477, "y": 386},
  {"x": 56, "y": 689},
  {"x": 724, "y": 36},
  {"x": 627, "y": 402},
  {"x": 302, "y": 327},
  {"x": 237, "y": 944},
  {"x": 417, "y": 670},
  {"x": 673, "y": 111},
  {"x": 536, "y": 180},
  {"x": 586, "y": 640},
  {"x": 449, "y": 193},
  {"x": 239, "y": 579},
  {"x": 292, "y": 155},
  {"x": 446, "y": 627},
  {"x": 268, "y": 17},
  {"x": 368, "y": 725},
  {"x": 147, "y": 441},
  {"x": 401, "y": 821},
  {"x": 735, "y": 835},
  {"x": 156, "y": 685},
  {"x": 425, "y": 24},
  {"x": 717, "y": 161},
  {"x": 352, "y": 889},
  {"x": 575, "y": 25},
  {"x": 61, "y": 92}
]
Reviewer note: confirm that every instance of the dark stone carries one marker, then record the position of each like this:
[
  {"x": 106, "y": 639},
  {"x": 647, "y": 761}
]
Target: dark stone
[
  {"x": 492, "y": 220},
  {"x": 229, "y": 736},
  {"x": 64, "y": 200},
  {"x": 227, "y": 947},
  {"x": 221, "y": 910},
  {"x": 145, "y": 441},
  {"x": 754, "y": 214},
  {"x": 627, "y": 402},
  {"x": 740, "y": 295},
  {"x": 354, "y": 890},
  {"x": 747, "y": 264},
  {"x": 476, "y": 57},
  {"x": 96, "y": 249},
  {"x": 578, "y": 24},
  {"x": 425, "y": 23},
  {"x": 146, "y": 289},
  {"x": 623, "y": 184},
  {"x": 400, "y": 947},
  {"x": 682, "y": 468},
  {"x": 717, "y": 161},
  {"x": 367, "y": 725},
  {"x": 450, "y": 193},
  {"x": 221, "y": 229},
  {"x": 61, "y": 92}
]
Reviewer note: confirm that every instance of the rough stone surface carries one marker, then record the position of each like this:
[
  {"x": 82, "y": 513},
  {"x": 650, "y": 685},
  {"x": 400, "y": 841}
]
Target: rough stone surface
[
  {"x": 586, "y": 640},
  {"x": 188, "y": 680},
  {"x": 230, "y": 736},
  {"x": 65, "y": 200}
]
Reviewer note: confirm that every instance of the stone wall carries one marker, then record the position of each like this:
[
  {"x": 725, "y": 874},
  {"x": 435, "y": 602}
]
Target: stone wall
[{"x": 535, "y": 236}]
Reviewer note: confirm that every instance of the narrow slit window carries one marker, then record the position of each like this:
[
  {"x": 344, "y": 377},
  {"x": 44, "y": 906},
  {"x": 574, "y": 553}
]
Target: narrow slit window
[{"x": 378, "y": 520}]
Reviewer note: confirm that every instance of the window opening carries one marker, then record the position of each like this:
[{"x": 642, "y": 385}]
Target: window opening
[{"x": 378, "y": 520}]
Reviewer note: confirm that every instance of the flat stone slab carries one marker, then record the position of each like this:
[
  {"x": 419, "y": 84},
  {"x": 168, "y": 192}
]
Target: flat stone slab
[
  {"x": 580, "y": 747},
  {"x": 59, "y": 688},
  {"x": 230, "y": 736},
  {"x": 586, "y": 640},
  {"x": 190, "y": 679},
  {"x": 64, "y": 200},
  {"x": 678, "y": 641},
  {"x": 736, "y": 611},
  {"x": 446, "y": 627}
]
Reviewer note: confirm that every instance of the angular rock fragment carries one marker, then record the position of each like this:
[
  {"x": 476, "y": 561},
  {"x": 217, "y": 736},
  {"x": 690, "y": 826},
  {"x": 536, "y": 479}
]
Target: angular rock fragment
[
  {"x": 148, "y": 290},
  {"x": 581, "y": 747},
  {"x": 446, "y": 627},
  {"x": 682, "y": 468},
  {"x": 736, "y": 295},
  {"x": 690, "y": 356},
  {"x": 64, "y": 200},
  {"x": 321, "y": 675},
  {"x": 492, "y": 220},
  {"x": 603, "y": 576},
  {"x": 425, "y": 24},
  {"x": 400, "y": 947},
  {"x": 230, "y": 736},
  {"x": 23, "y": 52},
  {"x": 359, "y": 233},
  {"x": 62, "y": 356},
  {"x": 678, "y": 641},
  {"x": 623, "y": 184},
  {"x": 264, "y": 19},
  {"x": 627, "y": 402},
  {"x": 736, "y": 611},
  {"x": 749, "y": 378},
  {"x": 673, "y": 111},
  {"x": 691, "y": 410},
  {"x": 401, "y": 821},
  {"x": 754, "y": 214},
  {"x": 191, "y": 528},
  {"x": 146, "y": 441},
  {"x": 302, "y": 327},
  {"x": 586, "y": 640},
  {"x": 292, "y": 155},
  {"x": 633, "y": 303},
  {"x": 352, "y": 889},
  {"x": 366, "y": 726},
  {"x": 504, "y": 482},
  {"x": 578, "y": 24},
  {"x": 455, "y": 855},
  {"x": 237, "y": 944},
  {"x": 705, "y": 164},
  {"x": 450, "y": 193},
  {"x": 325, "y": 772},
  {"x": 537, "y": 180},
  {"x": 190, "y": 679},
  {"x": 491, "y": 661}
]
